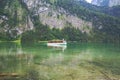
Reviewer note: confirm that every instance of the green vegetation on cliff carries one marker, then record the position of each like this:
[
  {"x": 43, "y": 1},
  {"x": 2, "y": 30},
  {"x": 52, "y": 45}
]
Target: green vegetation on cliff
[
  {"x": 106, "y": 25},
  {"x": 13, "y": 18},
  {"x": 14, "y": 15}
]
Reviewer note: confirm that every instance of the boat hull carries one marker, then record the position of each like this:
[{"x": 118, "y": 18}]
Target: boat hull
[{"x": 56, "y": 44}]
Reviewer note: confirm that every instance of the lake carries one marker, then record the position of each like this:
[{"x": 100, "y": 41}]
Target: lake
[{"x": 76, "y": 61}]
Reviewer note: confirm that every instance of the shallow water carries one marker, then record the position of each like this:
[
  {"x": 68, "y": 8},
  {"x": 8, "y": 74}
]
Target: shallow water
[{"x": 76, "y": 61}]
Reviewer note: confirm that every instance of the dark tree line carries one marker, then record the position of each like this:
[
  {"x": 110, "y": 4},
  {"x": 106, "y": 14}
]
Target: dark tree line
[{"x": 44, "y": 33}]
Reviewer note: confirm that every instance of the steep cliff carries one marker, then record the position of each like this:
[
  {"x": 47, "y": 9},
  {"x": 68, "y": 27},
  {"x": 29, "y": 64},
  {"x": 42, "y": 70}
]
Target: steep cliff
[
  {"x": 14, "y": 19},
  {"x": 90, "y": 20},
  {"x": 56, "y": 17}
]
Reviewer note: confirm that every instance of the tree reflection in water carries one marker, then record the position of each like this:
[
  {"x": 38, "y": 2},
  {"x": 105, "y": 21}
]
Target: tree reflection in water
[{"x": 15, "y": 64}]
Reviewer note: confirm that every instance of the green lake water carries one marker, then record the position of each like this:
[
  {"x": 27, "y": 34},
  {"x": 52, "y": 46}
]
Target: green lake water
[{"x": 76, "y": 61}]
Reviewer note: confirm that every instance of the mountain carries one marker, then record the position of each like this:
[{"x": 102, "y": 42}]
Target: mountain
[
  {"x": 73, "y": 20},
  {"x": 112, "y": 11},
  {"x": 109, "y": 3},
  {"x": 14, "y": 19}
]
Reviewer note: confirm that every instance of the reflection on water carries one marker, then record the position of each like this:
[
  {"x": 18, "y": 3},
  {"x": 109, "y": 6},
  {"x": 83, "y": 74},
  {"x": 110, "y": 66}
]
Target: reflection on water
[
  {"x": 10, "y": 48},
  {"x": 60, "y": 47},
  {"x": 14, "y": 63},
  {"x": 85, "y": 61}
]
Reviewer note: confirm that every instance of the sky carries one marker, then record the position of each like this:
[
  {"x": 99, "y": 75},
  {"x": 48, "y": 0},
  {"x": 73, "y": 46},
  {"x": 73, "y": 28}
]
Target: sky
[{"x": 89, "y": 1}]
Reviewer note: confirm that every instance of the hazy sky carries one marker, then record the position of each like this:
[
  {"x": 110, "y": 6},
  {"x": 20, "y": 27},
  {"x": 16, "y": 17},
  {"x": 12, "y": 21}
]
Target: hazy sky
[{"x": 89, "y": 1}]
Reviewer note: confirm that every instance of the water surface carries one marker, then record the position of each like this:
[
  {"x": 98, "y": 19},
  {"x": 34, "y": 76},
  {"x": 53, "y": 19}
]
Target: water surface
[{"x": 85, "y": 61}]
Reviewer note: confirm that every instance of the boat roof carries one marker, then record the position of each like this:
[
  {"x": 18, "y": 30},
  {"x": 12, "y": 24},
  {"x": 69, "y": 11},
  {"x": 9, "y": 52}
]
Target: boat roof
[{"x": 56, "y": 41}]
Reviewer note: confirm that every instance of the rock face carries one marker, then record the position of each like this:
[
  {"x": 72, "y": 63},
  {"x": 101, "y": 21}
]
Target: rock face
[
  {"x": 56, "y": 17},
  {"x": 14, "y": 18},
  {"x": 109, "y": 3}
]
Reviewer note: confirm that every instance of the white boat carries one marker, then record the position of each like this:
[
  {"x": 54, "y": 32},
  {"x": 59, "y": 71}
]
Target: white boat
[{"x": 56, "y": 42}]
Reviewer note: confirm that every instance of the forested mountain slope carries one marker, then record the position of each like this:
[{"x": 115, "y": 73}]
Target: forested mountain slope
[
  {"x": 14, "y": 19},
  {"x": 106, "y": 27},
  {"x": 74, "y": 20}
]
